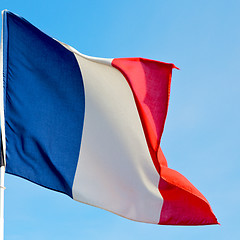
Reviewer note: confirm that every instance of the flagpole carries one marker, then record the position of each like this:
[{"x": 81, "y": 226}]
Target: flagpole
[
  {"x": 2, "y": 188},
  {"x": 2, "y": 149}
]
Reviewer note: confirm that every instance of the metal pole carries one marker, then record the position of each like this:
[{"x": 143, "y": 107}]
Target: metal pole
[
  {"x": 2, "y": 188},
  {"x": 2, "y": 164}
]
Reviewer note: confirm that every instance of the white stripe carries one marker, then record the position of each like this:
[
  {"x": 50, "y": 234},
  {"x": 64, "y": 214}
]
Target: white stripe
[
  {"x": 106, "y": 61},
  {"x": 115, "y": 171}
]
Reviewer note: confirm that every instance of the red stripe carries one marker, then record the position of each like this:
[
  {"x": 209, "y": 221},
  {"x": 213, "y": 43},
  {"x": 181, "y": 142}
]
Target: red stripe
[
  {"x": 183, "y": 203},
  {"x": 150, "y": 83}
]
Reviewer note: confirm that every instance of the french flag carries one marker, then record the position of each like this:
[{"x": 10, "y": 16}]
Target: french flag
[{"x": 91, "y": 128}]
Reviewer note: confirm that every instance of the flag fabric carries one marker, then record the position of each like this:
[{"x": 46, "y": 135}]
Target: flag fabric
[{"x": 91, "y": 128}]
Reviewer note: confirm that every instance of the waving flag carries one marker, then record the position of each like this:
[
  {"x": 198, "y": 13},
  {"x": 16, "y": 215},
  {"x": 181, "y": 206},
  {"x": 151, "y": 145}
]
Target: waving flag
[{"x": 91, "y": 128}]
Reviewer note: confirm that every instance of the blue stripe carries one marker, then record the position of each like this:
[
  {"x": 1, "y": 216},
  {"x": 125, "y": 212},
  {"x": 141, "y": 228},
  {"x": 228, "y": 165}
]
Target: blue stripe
[{"x": 44, "y": 106}]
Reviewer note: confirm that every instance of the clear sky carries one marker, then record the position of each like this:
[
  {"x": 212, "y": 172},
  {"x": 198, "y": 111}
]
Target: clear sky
[{"x": 201, "y": 137}]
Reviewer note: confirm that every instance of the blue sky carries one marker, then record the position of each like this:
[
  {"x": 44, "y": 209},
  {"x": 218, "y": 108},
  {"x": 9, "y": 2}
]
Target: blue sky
[{"x": 201, "y": 137}]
